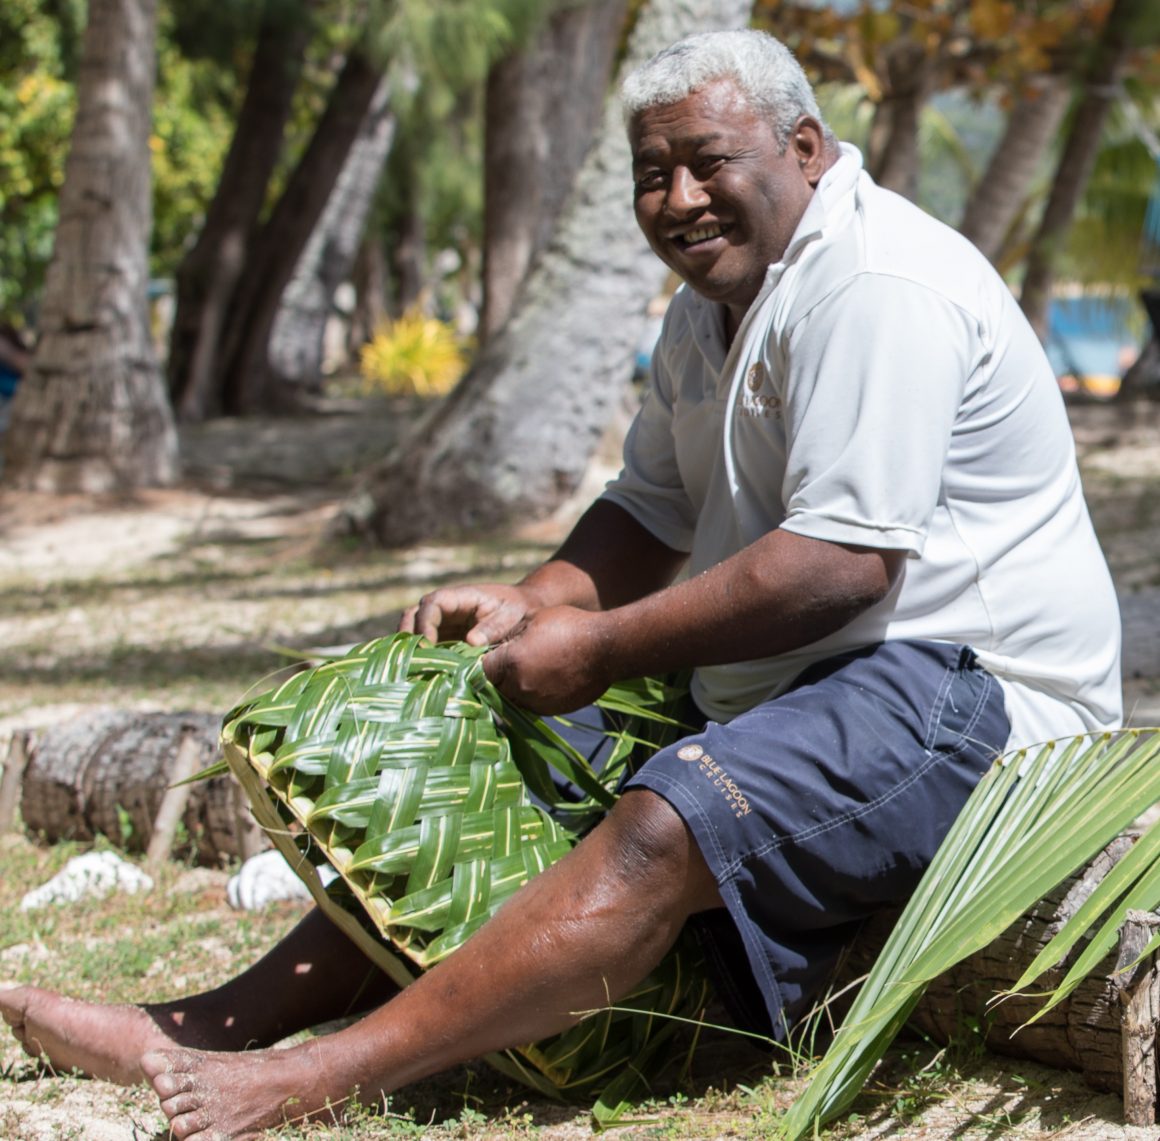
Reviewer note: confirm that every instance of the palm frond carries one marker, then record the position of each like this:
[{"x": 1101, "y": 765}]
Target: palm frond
[
  {"x": 1034, "y": 819},
  {"x": 403, "y": 768}
]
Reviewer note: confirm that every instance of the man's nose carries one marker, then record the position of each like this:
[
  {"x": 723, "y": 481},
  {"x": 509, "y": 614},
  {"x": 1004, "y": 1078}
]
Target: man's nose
[{"x": 686, "y": 192}]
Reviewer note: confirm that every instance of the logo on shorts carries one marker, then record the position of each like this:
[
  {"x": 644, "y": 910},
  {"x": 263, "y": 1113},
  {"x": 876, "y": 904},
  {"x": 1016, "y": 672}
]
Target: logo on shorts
[{"x": 717, "y": 776}]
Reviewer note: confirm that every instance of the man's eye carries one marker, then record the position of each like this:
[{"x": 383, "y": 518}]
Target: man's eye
[
  {"x": 707, "y": 165},
  {"x": 650, "y": 180}
]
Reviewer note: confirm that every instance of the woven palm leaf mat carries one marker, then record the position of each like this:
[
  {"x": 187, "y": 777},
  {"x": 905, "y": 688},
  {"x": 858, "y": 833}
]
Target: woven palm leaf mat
[{"x": 402, "y": 768}]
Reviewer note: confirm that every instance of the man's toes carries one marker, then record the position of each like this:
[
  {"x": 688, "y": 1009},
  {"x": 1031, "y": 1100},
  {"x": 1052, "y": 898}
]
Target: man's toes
[
  {"x": 155, "y": 1062},
  {"x": 181, "y": 1104},
  {"x": 13, "y": 1001},
  {"x": 194, "y": 1126},
  {"x": 167, "y": 1071}
]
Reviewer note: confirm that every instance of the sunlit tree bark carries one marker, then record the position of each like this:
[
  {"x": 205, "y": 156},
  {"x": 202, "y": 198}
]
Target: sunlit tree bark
[
  {"x": 515, "y": 437},
  {"x": 543, "y": 103},
  {"x": 1000, "y": 195},
  {"x": 297, "y": 338},
  {"x": 91, "y": 415},
  {"x": 244, "y": 351}
]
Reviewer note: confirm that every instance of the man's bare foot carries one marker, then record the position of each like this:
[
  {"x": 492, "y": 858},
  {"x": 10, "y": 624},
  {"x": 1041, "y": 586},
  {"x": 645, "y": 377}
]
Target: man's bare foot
[
  {"x": 227, "y": 1097},
  {"x": 101, "y": 1041}
]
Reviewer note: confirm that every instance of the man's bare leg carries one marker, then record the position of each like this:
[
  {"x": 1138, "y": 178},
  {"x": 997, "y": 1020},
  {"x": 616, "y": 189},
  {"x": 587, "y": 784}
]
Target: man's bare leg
[
  {"x": 584, "y": 932},
  {"x": 317, "y": 973}
]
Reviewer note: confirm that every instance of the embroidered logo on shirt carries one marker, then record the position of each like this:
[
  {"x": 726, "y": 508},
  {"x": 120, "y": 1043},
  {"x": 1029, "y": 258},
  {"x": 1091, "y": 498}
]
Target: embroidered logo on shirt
[
  {"x": 690, "y": 752},
  {"x": 753, "y": 401}
]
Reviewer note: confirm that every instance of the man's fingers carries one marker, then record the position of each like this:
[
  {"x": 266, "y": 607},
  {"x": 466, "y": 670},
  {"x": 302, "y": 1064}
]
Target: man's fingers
[
  {"x": 446, "y": 614},
  {"x": 481, "y": 616},
  {"x": 429, "y": 619},
  {"x": 496, "y": 624},
  {"x": 495, "y": 666},
  {"x": 407, "y": 620}
]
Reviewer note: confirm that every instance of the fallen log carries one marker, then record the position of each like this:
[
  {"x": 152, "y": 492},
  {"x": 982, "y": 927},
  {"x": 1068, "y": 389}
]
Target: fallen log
[{"x": 107, "y": 773}]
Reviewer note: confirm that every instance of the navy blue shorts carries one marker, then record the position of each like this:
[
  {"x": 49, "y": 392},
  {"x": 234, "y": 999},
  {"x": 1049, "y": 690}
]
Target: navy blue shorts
[{"x": 824, "y": 805}]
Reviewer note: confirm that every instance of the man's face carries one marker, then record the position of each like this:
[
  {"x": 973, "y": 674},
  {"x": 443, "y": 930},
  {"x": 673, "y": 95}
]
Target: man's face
[{"x": 715, "y": 198}]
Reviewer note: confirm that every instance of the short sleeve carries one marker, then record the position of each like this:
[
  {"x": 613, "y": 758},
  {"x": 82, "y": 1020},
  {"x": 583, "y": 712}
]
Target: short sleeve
[{"x": 875, "y": 375}]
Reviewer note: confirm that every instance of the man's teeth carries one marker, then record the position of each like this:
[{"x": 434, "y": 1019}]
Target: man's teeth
[{"x": 701, "y": 234}]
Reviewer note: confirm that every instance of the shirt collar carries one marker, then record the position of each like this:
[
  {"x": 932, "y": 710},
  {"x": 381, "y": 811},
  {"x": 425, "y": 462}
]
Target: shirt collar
[{"x": 832, "y": 202}]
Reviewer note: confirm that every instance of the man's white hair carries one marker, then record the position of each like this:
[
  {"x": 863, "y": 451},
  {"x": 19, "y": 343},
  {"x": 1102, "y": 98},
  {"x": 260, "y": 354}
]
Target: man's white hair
[{"x": 763, "y": 68}]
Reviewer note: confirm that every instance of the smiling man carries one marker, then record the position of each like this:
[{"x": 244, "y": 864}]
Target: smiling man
[{"x": 849, "y": 504}]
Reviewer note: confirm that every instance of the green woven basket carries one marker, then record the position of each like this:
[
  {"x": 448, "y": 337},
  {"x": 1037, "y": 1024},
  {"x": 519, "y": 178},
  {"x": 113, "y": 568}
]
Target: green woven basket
[{"x": 401, "y": 767}]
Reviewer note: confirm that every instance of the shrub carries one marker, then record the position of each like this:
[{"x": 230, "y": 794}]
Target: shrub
[{"x": 414, "y": 355}]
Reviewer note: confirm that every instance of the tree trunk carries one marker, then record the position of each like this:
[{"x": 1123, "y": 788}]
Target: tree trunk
[
  {"x": 208, "y": 275},
  {"x": 91, "y": 413},
  {"x": 1079, "y": 155},
  {"x": 1083, "y": 1033},
  {"x": 370, "y": 286},
  {"x": 542, "y": 106},
  {"x": 244, "y": 359},
  {"x": 407, "y": 235},
  {"x": 106, "y": 773},
  {"x": 515, "y": 437},
  {"x": 297, "y": 339},
  {"x": 999, "y": 196},
  {"x": 1142, "y": 380},
  {"x": 893, "y": 161}
]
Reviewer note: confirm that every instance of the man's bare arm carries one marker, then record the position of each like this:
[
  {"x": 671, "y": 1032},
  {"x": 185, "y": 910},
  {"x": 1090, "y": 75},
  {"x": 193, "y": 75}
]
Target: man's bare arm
[
  {"x": 782, "y": 592},
  {"x": 608, "y": 560}
]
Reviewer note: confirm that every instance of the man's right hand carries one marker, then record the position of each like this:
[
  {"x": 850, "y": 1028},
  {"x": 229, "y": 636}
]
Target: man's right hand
[{"x": 481, "y": 615}]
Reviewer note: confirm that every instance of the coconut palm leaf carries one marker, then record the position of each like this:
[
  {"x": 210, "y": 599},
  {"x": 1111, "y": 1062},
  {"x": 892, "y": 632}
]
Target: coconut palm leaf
[
  {"x": 400, "y": 766},
  {"x": 1034, "y": 819}
]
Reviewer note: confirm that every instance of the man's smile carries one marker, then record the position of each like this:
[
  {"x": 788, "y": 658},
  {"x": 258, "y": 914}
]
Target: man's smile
[
  {"x": 697, "y": 235},
  {"x": 717, "y": 193}
]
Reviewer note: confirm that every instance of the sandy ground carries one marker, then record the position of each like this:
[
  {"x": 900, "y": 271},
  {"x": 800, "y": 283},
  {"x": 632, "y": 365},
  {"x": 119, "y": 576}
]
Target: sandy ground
[{"x": 293, "y": 483}]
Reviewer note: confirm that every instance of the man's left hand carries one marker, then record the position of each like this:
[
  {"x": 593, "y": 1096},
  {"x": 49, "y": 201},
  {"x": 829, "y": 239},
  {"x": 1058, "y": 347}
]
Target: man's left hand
[{"x": 553, "y": 662}]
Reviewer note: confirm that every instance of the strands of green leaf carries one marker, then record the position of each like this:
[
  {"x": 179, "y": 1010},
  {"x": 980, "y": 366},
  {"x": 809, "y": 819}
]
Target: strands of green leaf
[
  {"x": 404, "y": 769},
  {"x": 1033, "y": 820}
]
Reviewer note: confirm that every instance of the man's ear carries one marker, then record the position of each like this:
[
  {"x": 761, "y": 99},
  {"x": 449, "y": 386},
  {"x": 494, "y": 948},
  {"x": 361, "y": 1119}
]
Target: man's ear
[{"x": 807, "y": 140}]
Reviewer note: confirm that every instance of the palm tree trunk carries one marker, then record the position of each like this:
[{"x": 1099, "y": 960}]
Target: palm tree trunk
[
  {"x": 298, "y": 335},
  {"x": 1143, "y": 378},
  {"x": 208, "y": 276},
  {"x": 244, "y": 359},
  {"x": 105, "y": 773},
  {"x": 893, "y": 161},
  {"x": 1000, "y": 194},
  {"x": 1084, "y": 1033},
  {"x": 542, "y": 106},
  {"x": 91, "y": 413},
  {"x": 515, "y": 437},
  {"x": 1079, "y": 155}
]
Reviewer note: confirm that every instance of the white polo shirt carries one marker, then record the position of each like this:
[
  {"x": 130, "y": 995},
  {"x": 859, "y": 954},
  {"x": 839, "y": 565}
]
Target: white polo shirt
[{"x": 884, "y": 390}]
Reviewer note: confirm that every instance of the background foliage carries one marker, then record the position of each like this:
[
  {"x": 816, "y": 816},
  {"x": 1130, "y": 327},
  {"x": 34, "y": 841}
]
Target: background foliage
[{"x": 438, "y": 56}]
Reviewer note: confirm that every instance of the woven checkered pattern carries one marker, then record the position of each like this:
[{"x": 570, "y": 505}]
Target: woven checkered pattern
[{"x": 404, "y": 769}]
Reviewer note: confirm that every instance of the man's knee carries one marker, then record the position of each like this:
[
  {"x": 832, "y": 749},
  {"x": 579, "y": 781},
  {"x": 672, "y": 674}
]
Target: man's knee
[{"x": 652, "y": 850}]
